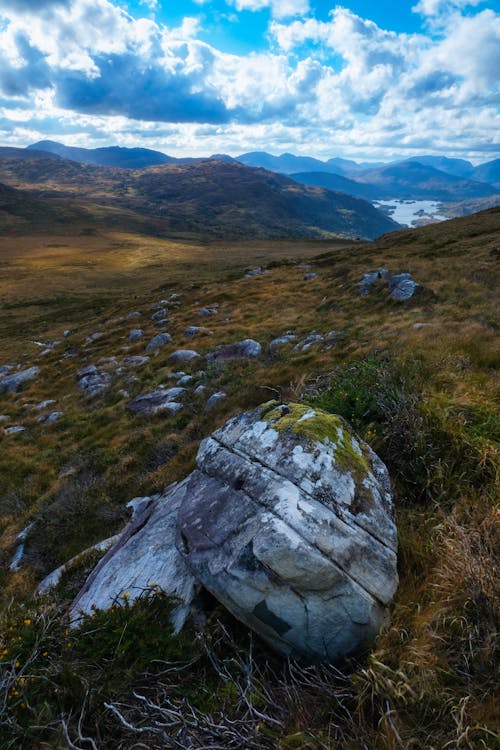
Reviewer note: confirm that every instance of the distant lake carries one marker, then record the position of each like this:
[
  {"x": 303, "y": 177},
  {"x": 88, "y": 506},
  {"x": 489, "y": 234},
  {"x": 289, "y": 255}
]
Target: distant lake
[{"x": 411, "y": 213}]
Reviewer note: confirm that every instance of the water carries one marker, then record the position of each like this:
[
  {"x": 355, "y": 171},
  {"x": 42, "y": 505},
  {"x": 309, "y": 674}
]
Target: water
[{"x": 411, "y": 213}]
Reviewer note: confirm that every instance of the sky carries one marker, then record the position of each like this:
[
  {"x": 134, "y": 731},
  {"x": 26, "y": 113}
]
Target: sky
[{"x": 367, "y": 79}]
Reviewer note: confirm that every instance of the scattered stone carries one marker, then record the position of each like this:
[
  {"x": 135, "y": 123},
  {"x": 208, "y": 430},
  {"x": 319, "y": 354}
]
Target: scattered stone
[
  {"x": 3, "y": 417},
  {"x": 134, "y": 314},
  {"x": 192, "y": 331},
  {"x": 309, "y": 276},
  {"x": 92, "y": 381},
  {"x": 12, "y": 383},
  {"x": 200, "y": 389},
  {"x": 205, "y": 312},
  {"x": 402, "y": 287},
  {"x": 288, "y": 522},
  {"x": 5, "y": 368},
  {"x": 135, "y": 334},
  {"x": 214, "y": 400},
  {"x": 66, "y": 333},
  {"x": 418, "y": 326},
  {"x": 50, "y": 418},
  {"x": 163, "y": 399},
  {"x": 185, "y": 380},
  {"x": 144, "y": 558},
  {"x": 162, "y": 323},
  {"x": 49, "y": 348},
  {"x": 240, "y": 350},
  {"x": 159, "y": 304},
  {"x": 312, "y": 339},
  {"x": 138, "y": 505},
  {"x": 369, "y": 279},
  {"x": 255, "y": 272},
  {"x": 94, "y": 337},
  {"x": 19, "y": 553},
  {"x": 45, "y": 404},
  {"x": 183, "y": 355},
  {"x": 161, "y": 339},
  {"x": 14, "y": 430},
  {"x": 303, "y": 267},
  {"x": 162, "y": 313},
  {"x": 281, "y": 341},
  {"x": 136, "y": 361}
]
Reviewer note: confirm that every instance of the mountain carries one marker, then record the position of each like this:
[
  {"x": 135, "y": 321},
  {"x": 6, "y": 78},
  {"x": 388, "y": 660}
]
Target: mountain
[
  {"x": 489, "y": 172},
  {"x": 348, "y": 167},
  {"x": 285, "y": 163},
  {"x": 456, "y": 167},
  {"x": 207, "y": 198},
  {"x": 7, "y": 152},
  {"x": 112, "y": 156},
  {"x": 413, "y": 181},
  {"x": 338, "y": 183}
]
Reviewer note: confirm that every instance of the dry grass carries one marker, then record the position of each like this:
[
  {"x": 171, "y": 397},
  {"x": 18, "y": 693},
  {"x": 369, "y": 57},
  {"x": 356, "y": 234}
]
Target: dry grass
[{"x": 429, "y": 399}]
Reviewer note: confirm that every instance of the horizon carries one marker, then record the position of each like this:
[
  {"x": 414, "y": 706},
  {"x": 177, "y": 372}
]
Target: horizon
[{"x": 206, "y": 77}]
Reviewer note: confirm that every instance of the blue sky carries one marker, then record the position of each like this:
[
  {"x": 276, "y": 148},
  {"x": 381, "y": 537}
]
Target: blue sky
[{"x": 363, "y": 80}]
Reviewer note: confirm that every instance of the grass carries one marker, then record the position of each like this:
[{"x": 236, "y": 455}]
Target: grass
[{"x": 425, "y": 397}]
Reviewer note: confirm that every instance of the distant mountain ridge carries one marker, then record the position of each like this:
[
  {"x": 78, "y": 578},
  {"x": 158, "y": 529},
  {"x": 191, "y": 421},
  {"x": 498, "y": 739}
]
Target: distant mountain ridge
[{"x": 210, "y": 198}]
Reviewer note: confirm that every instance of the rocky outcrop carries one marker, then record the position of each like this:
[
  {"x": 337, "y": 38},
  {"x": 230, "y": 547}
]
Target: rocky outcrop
[
  {"x": 143, "y": 559},
  {"x": 92, "y": 381},
  {"x": 12, "y": 383},
  {"x": 163, "y": 399},
  {"x": 287, "y": 521},
  {"x": 245, "y": 349}
]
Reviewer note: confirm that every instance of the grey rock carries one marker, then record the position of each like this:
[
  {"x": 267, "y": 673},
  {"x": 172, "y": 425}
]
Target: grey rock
[
  {"x": 17, "y": 558},
  {"x": 241, "y": 350},
  {"x": 288, "y": 522},
  {"x": 12, "y": 383},
  {"x": 133, "y": 315},
  {"x": 136, "y": 361},
  {"x": 214, "y": 400},
  {"x": 192, "y": 331},
  {"x": 277, "y": 343},
  {"x": 14, "y": 430},
  {"x": 138, "y": 505},
  {"x": 309, "y": 276},
  {"x": 369, "y": 279},
  {"x": 144, "y": 555},
  {"x": 50, "y": 418},
  {"x": 5, "y": 368},
  {"x": 66, "y": 332},
  {"x": 183, "y": 355},
  {"x": 94, "y": 337},
  {"x": 205, "y": 312},
  {"x": 3, "y": 417},
  {"x": 162, "y": 322},
  {"x": 49, "y": 348},
  {"x": 186, "y": 380},
  {"x": 163, "y": 399},
  {"x": 162, "y": 313},
  {"x": 45, "y": 404},
  {"x": 200, "y": 389},
  {"x": 161, "y": 339},
  {"x": 402, "y": 287},
  {"x": 312, "y": 339},
  {"x": 135, "y": 334},
  {"x": 254, "y": 272},
  {"x": 160, "y": 303},
  {"x": 92, "y": 381}
]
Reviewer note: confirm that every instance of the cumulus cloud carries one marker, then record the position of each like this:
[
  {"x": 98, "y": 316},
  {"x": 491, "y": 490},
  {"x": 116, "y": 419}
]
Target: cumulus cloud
[
  {"x": 335, "y": 85},
  {"x": 28, "y": 6},
  {"x": 278, "y": 8},
  {"x": 438, "y": 7}
]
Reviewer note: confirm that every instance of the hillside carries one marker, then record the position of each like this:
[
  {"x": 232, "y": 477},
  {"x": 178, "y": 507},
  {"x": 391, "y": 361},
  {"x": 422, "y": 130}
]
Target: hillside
[
  {"x": 210, "y": 198},
  {"x": 416, "y": 379},
  {"x": 338, "y": 182},
  {"x": 111, "y": 156},
  {"x": 411, "y": 180}
]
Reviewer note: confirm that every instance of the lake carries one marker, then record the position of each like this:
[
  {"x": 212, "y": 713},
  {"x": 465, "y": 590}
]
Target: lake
[{"x": 411, "y": 213}]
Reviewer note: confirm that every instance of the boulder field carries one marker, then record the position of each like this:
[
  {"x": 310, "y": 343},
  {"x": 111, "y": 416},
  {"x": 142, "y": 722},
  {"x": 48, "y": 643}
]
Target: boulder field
[{"x": 287, "y": 521}]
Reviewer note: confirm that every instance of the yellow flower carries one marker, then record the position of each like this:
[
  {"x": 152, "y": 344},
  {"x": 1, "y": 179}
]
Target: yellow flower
[
  {"x": 126, "y": 595},
  {"x": 45, "y": 653},
  {"x": 27, "y": 621},
  {"x": 18, "y": 664}
]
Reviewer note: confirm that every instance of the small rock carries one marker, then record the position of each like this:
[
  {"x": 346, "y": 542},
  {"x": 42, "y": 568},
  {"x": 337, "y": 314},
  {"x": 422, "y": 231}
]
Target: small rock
[
  {"x": 162, "y": 323},
  {"x": 254, "y": 272},
  {"x": 369, "y": 279},
  {"x": 135, "y": 361},
  {"x": 93, "y": 337},
  {"x": 51, "y": 418},
  {"x": 183, "y": 355},
  {"x": 5, "y": 368},
  {"x": 66, "y": 333},
  {"x": 135, "y": 334},
  {"x": 44, "y": 404},
  {"x": 240, "y": 350},
  {"x": 312, "y": 339},
  {"x": 281, "y": 341},
  {"x": 134, "y": 314},
  {"x": 161, "y": 303},
  {"x": 162, "y": 313},
  {"x": 402, "y": 287},
  {"x": 214, "y": 400},
  {"x": 12, "y": 383},
  {"x": 93, "y": 381},
  {"x": 19, "y": 553},
  {"x": 205, "y": 312},
  {"x": 200, "y": 389},
  {"x": 309, "y": 276},
  {"x": 161, "y": 339},
  {"x": 14, "y": 429},
  {"x": 160, "y": 400},
  {"x": 185, "y": 380},
  {"x": 192, "y": 331},
  {"x": 138, "y": 505}
]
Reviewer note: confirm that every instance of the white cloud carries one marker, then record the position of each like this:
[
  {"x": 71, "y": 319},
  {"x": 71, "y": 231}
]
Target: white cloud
[
  {"x": 438, "y": 7},
  {"x": 278, "y": 8}
]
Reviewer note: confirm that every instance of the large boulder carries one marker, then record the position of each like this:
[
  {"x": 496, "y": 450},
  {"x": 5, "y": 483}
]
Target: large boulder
[{"x": 288, "y": 522}]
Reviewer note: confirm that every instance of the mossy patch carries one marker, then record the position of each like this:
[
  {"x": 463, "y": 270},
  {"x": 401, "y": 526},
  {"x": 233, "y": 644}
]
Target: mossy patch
[{"x": 318, "y": 426}]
